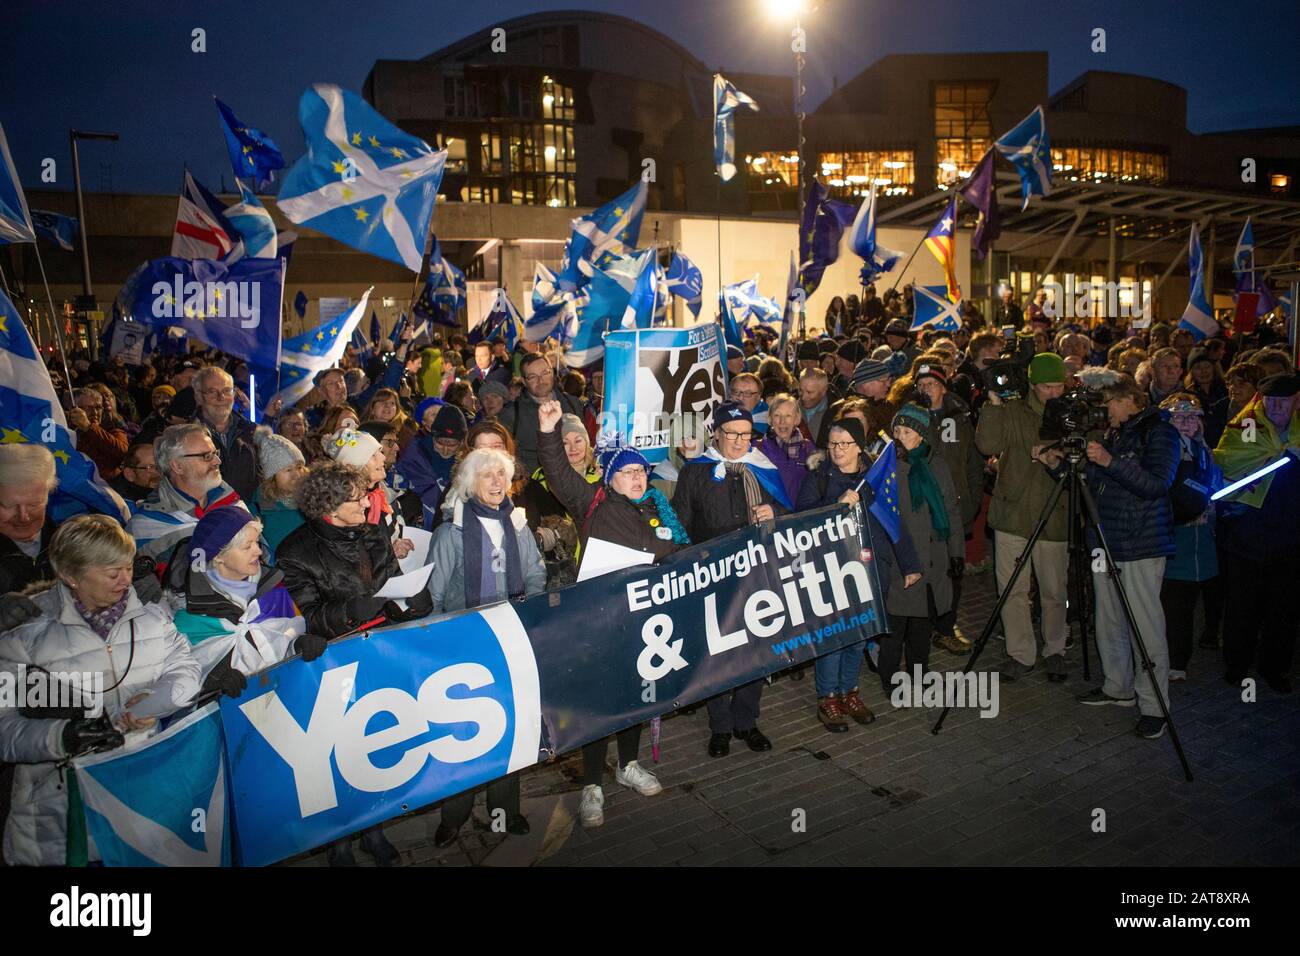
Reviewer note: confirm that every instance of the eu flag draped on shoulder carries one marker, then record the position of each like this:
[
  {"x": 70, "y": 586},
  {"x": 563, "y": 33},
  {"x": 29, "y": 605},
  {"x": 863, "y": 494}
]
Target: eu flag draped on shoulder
[
  {"x": 982, "y": 193},
  {"x": 882, "y": 479},
  {"x": 931, "y": 309},
  {"x": 611, "y": 229},
  {"x": 726, "y": 100},
  {"x": 202, "y": 230},
  {"x": 1027, "y": 148},
  {"x": 876, "y": 259},
  {"x": 253, "y": 154},
  {"x": 1198, "y": 317},
  {"x": 363, "y": 181},
  {"x": 30, "y": 412},
  {"x": 233, "y": 306},
  {"x": 941, "y": 243},
  {"x": 15, "y": 219}
]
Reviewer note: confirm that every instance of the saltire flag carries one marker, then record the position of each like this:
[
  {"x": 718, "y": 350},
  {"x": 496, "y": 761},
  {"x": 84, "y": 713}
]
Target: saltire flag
[
  {"x": 1198, "y": 317},
  {"x": 759, "y": 465},
  {"x": 939, "y": 240},
  {"x": 300, "y": 304},
  {"x": 52, "y": 227},
  {"x": 726, "y": 100},
  {"x": 444, "y": 291},
  {"x": 15, "y": 218},
  {"x": 1243, "y": 257},
  {"x": 611, "y": 229},
  {"x": 824, "y": 222},
  {"x": 876, "y": 259},
  {"x": 397, "y": 329},
  {"x": 644, "y": 299},
  {"x": 302, "y": 356},
  {"x": 1027, "y": 148},
  {"x": 747, "y": 305},
  {"x": 1243, "y": 266},
  {"x": 685, "y": 281},
  {"x": 232, "y": 306},
  {"x": 981, "y": 192},
  {"x": 363, "y": 181},
  {"x": 254, "y": 225},
  {"x": 730, "y": 328},
  {"x": 140, "y": 802},
  {"x": 374, "y": 326},
  {"x": 502, "y": 319},
  {"x": 603, "y": 300},
  {"x": 252, "y": 153},
  {"x": 882, "y": 479},
  {"x": 549, "y": 306},
  {"x": 202, "y": 230},
  {"x": 30, "y": 412},
  {"x": 933, "y": 310},
  {"x": 794, "y": 304}
]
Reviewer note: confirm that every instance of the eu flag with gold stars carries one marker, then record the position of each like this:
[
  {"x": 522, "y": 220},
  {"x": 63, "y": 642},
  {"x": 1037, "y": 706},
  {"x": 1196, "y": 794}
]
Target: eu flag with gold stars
[
  {"x": 253, "y": 154},
  {"x": 882, "y": 479},
  {"x": 363, "y": 181}
]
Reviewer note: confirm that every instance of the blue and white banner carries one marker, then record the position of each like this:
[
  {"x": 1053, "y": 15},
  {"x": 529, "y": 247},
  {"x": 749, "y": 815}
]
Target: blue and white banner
[
  {"x": 163, "y": 803},
  {"x": 658, "y": 381},
  {"x": 396, "y": 719}
]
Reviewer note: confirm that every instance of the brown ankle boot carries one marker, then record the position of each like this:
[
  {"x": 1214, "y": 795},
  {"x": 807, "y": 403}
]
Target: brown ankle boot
[
  {"x": 855, "y": 708},
  {"x": 830, "y": 714}
]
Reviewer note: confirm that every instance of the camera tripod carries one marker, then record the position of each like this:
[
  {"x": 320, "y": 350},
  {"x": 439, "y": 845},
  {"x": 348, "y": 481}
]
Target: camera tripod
[{"x": 1082, "y": 514}]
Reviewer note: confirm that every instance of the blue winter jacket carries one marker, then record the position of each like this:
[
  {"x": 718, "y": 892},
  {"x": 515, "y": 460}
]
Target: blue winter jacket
[{"x": 1132, "y": 492}]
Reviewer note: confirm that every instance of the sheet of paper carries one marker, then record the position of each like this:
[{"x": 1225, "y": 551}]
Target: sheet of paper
[
  {"x": 419, "y": 557},
  {"x": 406, "y": 585},
  {"x": 601, "y": 557}
]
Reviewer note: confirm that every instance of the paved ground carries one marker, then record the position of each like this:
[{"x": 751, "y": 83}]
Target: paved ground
[{"x": 1022, "y": 788}]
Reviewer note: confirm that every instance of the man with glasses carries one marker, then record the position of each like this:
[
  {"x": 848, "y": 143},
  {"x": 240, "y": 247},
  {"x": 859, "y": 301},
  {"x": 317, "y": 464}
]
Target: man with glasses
[
  {"x": 747, "y": 391},
  {"x": 104, "y": 446},
  {"x": 722, "y": 492},
  {"x": 520, "y": 417},
  {"x": 189, "y": 486},
  {"x": 139, "y": 477},
  {"x": 232, "y": 433}
]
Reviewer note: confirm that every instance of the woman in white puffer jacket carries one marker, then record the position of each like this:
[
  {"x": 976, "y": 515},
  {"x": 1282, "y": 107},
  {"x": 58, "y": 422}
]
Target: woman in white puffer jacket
[{"x": 92, "y": 633}]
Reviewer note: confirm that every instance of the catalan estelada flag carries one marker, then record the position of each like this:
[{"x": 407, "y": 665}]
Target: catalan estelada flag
[{"x": 939, "y": 240}]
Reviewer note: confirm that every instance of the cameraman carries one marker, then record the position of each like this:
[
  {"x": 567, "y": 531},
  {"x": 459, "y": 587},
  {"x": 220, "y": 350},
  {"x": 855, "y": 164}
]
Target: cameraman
[
  {"x": 1009, "y": 430},
  {"x": 1130, "y": 474}
]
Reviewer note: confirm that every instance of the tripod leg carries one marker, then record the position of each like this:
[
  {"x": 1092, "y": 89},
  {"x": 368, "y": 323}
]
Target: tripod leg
[
  {"x": 1021, "y": 563},
  {"x": 1112, "y": 571},
  {"x": 1079, "y": 573}
]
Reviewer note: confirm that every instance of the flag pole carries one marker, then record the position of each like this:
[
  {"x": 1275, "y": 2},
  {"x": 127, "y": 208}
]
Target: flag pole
[{"x": 58, "y": 334}]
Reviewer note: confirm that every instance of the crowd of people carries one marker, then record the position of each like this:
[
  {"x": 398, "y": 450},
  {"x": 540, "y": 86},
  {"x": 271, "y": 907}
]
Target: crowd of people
[{"x": 249, "y": 543}]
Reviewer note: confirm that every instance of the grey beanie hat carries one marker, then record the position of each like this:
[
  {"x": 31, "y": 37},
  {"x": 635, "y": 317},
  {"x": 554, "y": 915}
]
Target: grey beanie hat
[
  {"x": 572, "y": 423},
  {"x": 493, "y": 387},
  {"x": 275, "y": 453}
]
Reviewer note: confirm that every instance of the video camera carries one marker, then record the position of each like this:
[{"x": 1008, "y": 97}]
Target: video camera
[
  {"x": 1008, "y": 376},
  {"x": 1070, "y": 417}
]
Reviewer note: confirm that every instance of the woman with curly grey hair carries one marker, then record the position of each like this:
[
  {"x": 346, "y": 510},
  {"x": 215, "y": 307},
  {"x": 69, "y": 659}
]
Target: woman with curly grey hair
[{"x": 482, "y": 553}]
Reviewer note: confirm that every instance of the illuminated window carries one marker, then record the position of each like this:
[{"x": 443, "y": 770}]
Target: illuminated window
[
  {"x": 529, "y": 163},
  {"x": 770, "y": 172},
  {"x": 962, "y": 129},
  {"x": 1280, "y": 182},
  {"x": 848, "y": 173},
  {"x": 1109, "y": 164}
]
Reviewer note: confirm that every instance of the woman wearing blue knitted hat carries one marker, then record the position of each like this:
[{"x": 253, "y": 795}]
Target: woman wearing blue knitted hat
[{"x": 624, "y": 509}]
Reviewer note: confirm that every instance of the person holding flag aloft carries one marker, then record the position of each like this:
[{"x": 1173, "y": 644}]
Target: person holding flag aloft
[{"x": 731, "y": 486}]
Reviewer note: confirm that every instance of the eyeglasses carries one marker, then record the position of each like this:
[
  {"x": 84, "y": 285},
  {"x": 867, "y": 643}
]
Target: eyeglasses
[
  {"x": 149, "y": 467},
  {"x": 539, "y": 377},
  {"x": 841, "y": 444},
  {"x": 736, "y": 393},
  {"x": 390, "y": 441},
  {"x": 208, "y": 456},
  {"x": 632, "y": 471},
  {"x": 219, "y": 392},
  {"x": 736, "y": 436}
]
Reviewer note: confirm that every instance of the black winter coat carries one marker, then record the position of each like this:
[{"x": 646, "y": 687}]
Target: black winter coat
[
  {"x": 325, "y": 566},
  {"x": 709, "y": 509},
  {"x": 239, "y": 461},
  {"x": 1133, "y": 491},
  {"x": 17, "y": 570},
  {"x": 616, "y": 518}
]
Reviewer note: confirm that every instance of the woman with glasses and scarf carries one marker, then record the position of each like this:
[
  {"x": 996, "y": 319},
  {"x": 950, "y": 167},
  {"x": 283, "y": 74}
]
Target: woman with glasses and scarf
[
  {"x": 927, "y": 502},
  {"x": 482, "y": 553}
]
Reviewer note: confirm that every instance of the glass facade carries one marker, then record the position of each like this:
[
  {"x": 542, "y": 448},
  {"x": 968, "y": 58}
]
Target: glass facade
[
  {"x": 1117, "y": 164},
  {"x": 963, "y": 131},
  {"x": 772, "y": 179},
  {"x": 847, "y": 173}
]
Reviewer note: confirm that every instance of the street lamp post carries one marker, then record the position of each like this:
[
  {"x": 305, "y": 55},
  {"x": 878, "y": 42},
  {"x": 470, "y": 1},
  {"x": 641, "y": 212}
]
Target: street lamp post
[{"x": 86, "y": 301}]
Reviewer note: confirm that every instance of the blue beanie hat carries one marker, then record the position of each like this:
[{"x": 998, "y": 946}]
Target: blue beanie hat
[
  {"x": 426, "y": 404},
  {"x": 730, "y": 412},
  {"x": 216, "y": 529},
  {"x": 615, "y": 460}
]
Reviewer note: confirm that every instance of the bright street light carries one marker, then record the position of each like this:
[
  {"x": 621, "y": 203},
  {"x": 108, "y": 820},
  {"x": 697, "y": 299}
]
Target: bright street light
[{"x": 786, "y": 9}]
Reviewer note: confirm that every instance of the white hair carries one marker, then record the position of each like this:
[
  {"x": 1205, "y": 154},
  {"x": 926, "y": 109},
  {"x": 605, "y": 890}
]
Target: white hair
[
  {"x": 170, "y": 445},
  {"x": 476, "y": 463},
  {"x": 251, "y": 529},
  {"x": 207, "y": 372},
  {"x": 23, "y": 463}
]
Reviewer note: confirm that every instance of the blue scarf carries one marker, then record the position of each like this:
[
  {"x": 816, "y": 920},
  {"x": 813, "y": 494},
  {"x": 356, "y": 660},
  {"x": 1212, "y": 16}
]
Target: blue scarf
[
  {"x": 667, "y": 517},
  {"x": 243, "y": 590},
  {"x": 480, "y": 575}
]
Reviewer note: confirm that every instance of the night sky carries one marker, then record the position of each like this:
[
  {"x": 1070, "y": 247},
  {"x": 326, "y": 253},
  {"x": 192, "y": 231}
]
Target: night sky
[{"x": 91, "y": 64}]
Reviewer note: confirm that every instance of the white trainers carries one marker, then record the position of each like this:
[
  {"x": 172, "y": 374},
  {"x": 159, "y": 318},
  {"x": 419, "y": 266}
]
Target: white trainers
[
  {"x": 1177, "y": 675},
  {"x": 642, "y": 781},
  {"x": 591, "y": 811}
]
